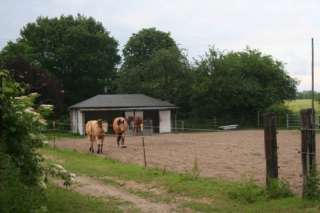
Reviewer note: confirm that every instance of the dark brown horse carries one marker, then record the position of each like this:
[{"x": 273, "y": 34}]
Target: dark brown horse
[{"x": 137, "y": 124}]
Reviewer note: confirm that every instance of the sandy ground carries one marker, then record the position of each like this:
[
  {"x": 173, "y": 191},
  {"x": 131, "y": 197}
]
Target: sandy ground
[{"x": 231, "y": 155}]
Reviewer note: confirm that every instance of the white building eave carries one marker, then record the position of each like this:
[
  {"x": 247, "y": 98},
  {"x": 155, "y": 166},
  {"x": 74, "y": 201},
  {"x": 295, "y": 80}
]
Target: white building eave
[{"x": 124, "y": 108}]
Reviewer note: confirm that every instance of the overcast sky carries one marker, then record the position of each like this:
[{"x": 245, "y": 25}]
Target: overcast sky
[{"x": 282, "y": 28}]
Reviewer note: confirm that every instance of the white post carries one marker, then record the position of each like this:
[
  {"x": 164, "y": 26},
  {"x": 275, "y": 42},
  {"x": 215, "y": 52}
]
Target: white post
[{"x": 175, "y": 121}]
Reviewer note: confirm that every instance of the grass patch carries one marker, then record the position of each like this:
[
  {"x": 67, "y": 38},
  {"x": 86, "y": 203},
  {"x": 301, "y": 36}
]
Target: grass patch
[
  {"x": 297, "y": 105},
  {"x": 63, "y": 200},
  {"x": 200, "y": 207},
  {"x": 247, "y": 192},
  {"x": 225, "y": 196}
]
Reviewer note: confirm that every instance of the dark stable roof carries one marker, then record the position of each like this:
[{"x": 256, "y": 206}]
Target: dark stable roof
[{"x": 122, "y": 101}]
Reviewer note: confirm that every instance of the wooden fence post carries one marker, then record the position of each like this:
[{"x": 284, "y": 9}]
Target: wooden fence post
[
  {"x": 144, "y": 153},
  {"x": 270, "y": 142},
  {"x": 308, "y": 147}
]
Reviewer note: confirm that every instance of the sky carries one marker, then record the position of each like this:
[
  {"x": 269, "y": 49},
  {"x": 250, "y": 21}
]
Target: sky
[{"x": 281, "y": 28}]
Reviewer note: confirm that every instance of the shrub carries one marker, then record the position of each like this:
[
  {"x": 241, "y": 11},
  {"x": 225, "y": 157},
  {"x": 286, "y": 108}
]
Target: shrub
[
  {"x": 247, "y": 192},
  {"x": 278, "y": 189},
  {"x": 313, "y": 187},
  {"x": 279, "y": 109},
  {"x": 21, "y": 173}
]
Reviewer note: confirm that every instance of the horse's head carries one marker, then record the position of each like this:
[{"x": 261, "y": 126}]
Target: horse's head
[
  {"x": 103, "y": 124},
  {"x": 130, "y": 119},
  {"x": 121, "y": 125},
  {"x": 100, "y": 121}
]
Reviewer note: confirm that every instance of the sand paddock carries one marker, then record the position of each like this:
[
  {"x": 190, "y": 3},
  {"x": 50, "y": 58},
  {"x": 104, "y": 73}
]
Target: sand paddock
[{"x": 230, "y": 155}]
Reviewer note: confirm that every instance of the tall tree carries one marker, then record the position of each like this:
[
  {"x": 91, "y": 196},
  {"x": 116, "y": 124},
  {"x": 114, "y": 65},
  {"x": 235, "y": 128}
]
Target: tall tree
[
  {"x": 239, "y": 83},
  {"x": 77, "y": 50},
  {"x": 154, "y": 65}
]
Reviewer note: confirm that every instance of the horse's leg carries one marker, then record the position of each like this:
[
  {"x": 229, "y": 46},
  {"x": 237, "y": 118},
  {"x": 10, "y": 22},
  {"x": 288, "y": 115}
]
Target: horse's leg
[
  {"x": 101, "y": 144},
  {"x": 91, "y": 144},
  {"x": 122, "y": 140},
  {"x": 118, "y": 140},
  {"x": 98, "y": 151}
]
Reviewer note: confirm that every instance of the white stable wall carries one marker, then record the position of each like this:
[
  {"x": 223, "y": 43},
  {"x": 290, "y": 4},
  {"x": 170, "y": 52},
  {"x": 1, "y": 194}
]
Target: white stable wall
[{"x": 165, "y": 121}]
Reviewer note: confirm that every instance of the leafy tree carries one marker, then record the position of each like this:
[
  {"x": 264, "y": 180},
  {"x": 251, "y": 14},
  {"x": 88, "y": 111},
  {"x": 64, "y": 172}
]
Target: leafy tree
[
  {"x": 154, "y": 65},
  {"x": 239, "y": 83},
  {"x": 77, "y": 50},
  {"x": 37, "y": 80}
]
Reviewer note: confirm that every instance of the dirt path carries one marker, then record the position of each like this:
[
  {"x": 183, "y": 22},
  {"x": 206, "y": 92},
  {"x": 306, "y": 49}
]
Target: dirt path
[{"x": 91, "y": 186}]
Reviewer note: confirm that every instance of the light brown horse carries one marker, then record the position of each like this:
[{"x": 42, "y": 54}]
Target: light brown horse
[
  {"x": 120, "y": 126},
  {"x": 96, "y": 129}
]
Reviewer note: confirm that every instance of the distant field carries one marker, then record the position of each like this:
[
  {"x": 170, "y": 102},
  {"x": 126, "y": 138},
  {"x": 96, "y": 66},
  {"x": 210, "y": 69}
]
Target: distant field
[{"x": 297, "y": 105}]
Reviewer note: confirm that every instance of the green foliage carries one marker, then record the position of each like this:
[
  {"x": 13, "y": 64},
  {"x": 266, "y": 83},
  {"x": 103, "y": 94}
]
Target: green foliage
[
  {"x": 15, "y": 196},
  {"x": 313, "y": 187},
  {"x": 63, "y": 200},
  {"x": 56, "y": 170},
  {"x": 21, "y": 174},
  {"x": 239, "y": 83},
  {"x": 279, "y": 189},
  {"x": 201, "y": 207},
  {"x": 299, "y": 104},
  {"x": 279, "y": 108},
  {"x": 142, "y": 46},
  {"x": 154, "y": 65},
  {"x": 247, "y": 192},
  {"x": 77, "y": 50}
]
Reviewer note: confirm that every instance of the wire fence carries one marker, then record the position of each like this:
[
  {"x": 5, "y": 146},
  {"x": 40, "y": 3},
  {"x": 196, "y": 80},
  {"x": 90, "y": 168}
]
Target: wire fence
[{"x": 216, "y": 123}]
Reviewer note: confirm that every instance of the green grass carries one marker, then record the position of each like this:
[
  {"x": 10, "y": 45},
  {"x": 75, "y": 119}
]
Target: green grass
[
  {"x": 224, "y": 196},
  {"x": 63, "y": 200},
  {"x": 296, "y": 105}
]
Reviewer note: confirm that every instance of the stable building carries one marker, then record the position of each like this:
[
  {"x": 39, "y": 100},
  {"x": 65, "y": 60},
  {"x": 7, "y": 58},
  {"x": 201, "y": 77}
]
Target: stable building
[{"x": 155, "y": 113}]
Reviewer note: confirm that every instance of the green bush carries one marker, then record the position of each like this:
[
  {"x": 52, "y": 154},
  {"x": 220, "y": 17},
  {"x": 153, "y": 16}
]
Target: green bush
[
  {"x": 280, "y": 109},
  {"x": 247, "y": 192},
  {"x": 278, "y": 189},
  {"x": 15, "y": 196},
  {"x": 313, "y": 187},
  {"x": 21, "y": 173}
]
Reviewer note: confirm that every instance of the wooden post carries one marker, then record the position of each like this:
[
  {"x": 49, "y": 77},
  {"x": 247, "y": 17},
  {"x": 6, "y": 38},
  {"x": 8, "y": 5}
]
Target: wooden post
[
  {"x": 144, "y": 153},
  {"x": 287, "y": 120},
  {"x": 270, "y": 142},
  {"x": 308, "y": 146},
  {"x": 258, "y": 119}
]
